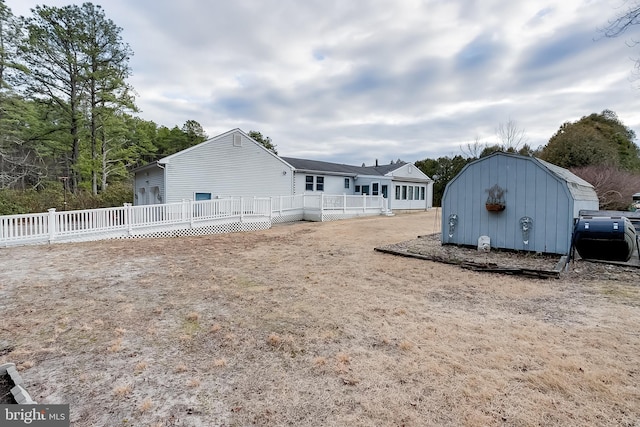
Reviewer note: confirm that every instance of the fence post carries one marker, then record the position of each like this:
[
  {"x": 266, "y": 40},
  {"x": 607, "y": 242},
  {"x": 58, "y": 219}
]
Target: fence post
[
  {"x": 128, "y": 217},
  {"x": 52, "y": 224},
  {"x": 241, "y": 209},
  {"x": 344, "y": 203},
  {"x": 189, "y": 208},
  {"x": 321, "y": 207},
  {"x": 281, "y": 199},
  {"x": 364, "y": 203}
]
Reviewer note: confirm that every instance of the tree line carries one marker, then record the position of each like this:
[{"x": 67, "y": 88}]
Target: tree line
[
  {"x": 66, "y": 109},
  {"x": 598, "y": 148}
]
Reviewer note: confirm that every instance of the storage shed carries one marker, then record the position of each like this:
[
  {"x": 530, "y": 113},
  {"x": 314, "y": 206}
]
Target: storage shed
[{"x": 519, "y": 202}]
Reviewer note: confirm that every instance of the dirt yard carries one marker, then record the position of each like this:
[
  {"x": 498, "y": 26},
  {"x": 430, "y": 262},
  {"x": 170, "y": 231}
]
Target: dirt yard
[{"x": 306, "y": 325}]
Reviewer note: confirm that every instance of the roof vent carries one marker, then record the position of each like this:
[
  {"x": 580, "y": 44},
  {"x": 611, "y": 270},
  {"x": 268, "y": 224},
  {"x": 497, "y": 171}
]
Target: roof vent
[{"x": 237, "y": 140}]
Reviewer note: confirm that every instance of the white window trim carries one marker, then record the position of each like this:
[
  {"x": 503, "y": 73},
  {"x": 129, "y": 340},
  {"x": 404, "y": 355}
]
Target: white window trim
[{"x": 379, "y": 188}]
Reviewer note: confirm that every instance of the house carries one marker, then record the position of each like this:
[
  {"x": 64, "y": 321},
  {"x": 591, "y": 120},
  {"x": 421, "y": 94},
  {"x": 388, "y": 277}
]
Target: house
[
  {"x": 520, "y": 203},
  {"x": 233, "y": 164},
  {"x": 403, "y": 185}
]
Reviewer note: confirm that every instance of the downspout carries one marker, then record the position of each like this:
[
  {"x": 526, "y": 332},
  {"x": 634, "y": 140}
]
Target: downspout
[{"x": 164, "y": 182}]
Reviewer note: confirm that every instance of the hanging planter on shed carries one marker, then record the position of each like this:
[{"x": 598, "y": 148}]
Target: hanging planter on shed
[
  {"x": 495, "y": 207},
  {"x": 495, "y": 201}
]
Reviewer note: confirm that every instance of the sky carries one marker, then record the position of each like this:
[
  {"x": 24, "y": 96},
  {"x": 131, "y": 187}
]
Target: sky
[{"x": 355, "y": 81}]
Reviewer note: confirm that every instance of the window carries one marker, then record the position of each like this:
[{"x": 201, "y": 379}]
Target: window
[
  {"x": 404, "y": 192},
  {"x": 416, "y": 194},
  {"x": 203, "y": 196},
  {"x": 357, "y": 188},
  {"x": 346, "y": 183},
  {"x": 411, "y": 192},
  {"x": 319, "y": 181},
  {"x": 421, "y": 193},
  {"x": 397, "y": 192},
  {"x": 375, "y": 189}
]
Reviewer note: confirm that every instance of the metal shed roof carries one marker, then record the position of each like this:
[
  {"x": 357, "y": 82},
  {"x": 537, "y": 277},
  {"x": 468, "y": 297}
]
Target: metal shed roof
[{"x": 579, "y": 188}]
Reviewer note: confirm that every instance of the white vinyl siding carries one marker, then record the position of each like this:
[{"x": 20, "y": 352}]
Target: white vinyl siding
[
  {"x": 149, "y": 187},
  {"x": 331, "y": 185},
  {"x": 224, "y": 168},
  {"x": 412, "y": 188},
  {"x": 408, "y": 196}
]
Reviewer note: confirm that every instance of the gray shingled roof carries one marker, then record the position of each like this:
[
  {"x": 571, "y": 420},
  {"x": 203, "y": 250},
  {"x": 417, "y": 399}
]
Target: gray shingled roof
[{"x": 318, "y": 166}]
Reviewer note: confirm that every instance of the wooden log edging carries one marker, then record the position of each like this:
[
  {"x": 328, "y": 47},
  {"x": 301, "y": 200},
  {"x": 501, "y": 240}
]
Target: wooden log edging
[{"x": 486, "y": 267}]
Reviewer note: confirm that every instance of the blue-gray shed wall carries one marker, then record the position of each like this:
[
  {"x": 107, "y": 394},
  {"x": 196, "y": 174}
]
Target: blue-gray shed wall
[{"x": 531, "y": 191}]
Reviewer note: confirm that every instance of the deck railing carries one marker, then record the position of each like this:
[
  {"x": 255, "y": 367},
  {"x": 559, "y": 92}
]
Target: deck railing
[{"x": 124, "y": 220}]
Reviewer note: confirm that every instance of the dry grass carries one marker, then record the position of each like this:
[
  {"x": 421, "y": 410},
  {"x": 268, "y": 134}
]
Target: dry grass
[
  {"x": 320, "y": 361},
  {"x": 193, "y": 317},
  {"x": 274, "y": 340},
  {"x": 193, "y": 383},
  {"x": 146, "y": 405},
  {"x": 405, "y": 345},
  {"x": 116, "y": 346},
  {"x": 123, "y": 390},
  {"x": 180, "y": 368},
  {"x": 218, "y": 363},
  {"x": 141, "y": 366},
  {"x": 305, "y": 324}
]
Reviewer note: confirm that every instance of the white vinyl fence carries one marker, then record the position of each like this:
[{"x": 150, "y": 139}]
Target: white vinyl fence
[{"x": 225, "y": 215}]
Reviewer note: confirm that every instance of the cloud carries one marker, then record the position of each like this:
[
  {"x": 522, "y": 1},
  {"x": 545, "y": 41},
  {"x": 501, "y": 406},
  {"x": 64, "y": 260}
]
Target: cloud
[
  {"x": 355, "y": 81},
  {"x": 482, "y": 52}
]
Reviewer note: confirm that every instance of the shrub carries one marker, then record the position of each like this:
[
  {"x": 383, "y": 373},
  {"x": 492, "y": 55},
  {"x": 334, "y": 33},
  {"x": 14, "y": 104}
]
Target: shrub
[
  {"x": 615, "y": 187},
  {"x": 52, "y": 195}
]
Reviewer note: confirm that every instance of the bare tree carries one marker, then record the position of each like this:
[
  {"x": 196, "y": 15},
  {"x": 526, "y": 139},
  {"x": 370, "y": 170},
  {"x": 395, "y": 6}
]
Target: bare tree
[
  {"x": 628, "y": 16},
  {"x": 474, "y": 149},
  {"x": 20, "y": 166},
  {"x": 511, "y": 137},
  {"x": 614, "y": 187}
]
